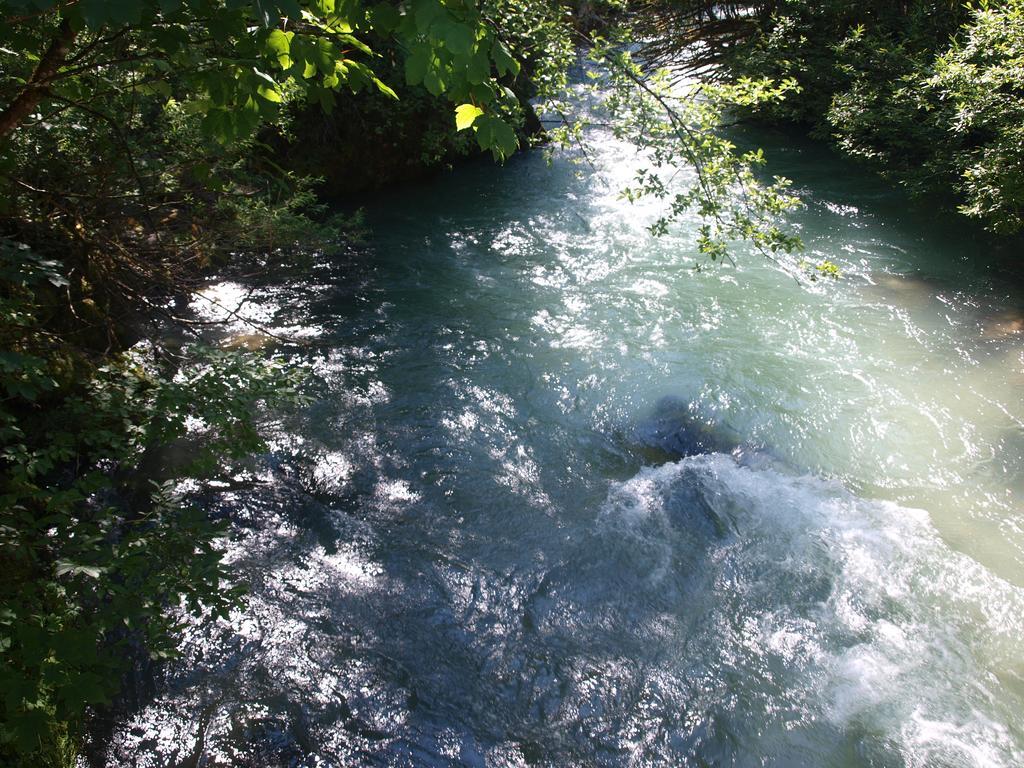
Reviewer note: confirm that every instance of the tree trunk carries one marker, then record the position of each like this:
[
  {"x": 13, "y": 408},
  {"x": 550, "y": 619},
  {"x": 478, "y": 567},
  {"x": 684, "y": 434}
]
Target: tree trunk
[{"x": 36, "y": 87}]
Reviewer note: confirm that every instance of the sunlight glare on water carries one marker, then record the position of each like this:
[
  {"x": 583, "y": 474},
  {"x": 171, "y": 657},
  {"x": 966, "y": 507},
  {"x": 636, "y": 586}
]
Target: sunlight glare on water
[{"x": 483, "y": 545}]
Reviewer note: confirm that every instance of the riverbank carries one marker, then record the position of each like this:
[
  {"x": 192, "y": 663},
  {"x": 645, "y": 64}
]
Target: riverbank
[
  {"x": 145, "y": 151},
  {"x": 925, "y": 95}
]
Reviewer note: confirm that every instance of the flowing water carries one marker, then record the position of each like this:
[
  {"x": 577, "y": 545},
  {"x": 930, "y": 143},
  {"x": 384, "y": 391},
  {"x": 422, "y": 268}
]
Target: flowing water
[{"x": 563, "y": 500}]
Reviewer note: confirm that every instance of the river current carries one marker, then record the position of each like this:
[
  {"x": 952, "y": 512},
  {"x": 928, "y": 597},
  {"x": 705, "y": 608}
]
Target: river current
[{"x": 562, "y": 500}]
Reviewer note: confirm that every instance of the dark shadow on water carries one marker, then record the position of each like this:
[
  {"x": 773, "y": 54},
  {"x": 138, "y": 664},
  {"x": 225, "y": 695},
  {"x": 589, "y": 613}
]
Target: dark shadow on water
[{"x": 963, "y": 254}]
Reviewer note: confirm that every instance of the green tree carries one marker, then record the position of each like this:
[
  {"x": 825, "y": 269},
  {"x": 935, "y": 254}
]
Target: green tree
[
  {"x": 927, "y": 91},
  {"x": 93, "y": 555},
  {"x": 236, "y": 62},
  {"x": 977, "y": 86}
]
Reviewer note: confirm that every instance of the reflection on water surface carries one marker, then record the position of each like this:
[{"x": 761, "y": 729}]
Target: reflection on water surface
[{"x": 479, "y": 546}]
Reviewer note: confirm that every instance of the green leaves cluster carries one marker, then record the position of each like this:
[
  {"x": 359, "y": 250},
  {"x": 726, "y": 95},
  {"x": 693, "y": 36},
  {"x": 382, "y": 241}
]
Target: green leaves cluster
[
  {"x": 97, "y": 556},
  {"x": 451, "y": 51},
  {"x": 676, "y": 128},
  {"x": 978, "y": 83},
  {"x": 236, "y": 62},
  {"x": 926, "y": 91}
]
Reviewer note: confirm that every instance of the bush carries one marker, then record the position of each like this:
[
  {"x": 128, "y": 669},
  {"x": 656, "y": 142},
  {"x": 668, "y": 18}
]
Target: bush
[
  {"x": 927, "y": 92},
  {"x": 979, "y": 85},
  {"x": 96, "y": 558}
]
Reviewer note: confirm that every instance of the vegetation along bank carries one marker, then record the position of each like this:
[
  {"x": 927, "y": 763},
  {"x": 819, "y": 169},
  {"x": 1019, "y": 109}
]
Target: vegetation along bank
[{"x": 144, "y": 145}]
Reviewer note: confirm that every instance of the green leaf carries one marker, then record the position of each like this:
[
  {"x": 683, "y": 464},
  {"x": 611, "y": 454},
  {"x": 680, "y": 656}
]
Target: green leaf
[
  {"x": 458, "y": 38},
  {"x": 196, "y": 106},
  {"x": 425, "y": 12},
  {"x": 356, "y": 43},
  {"x": 496, "y": 135},
  {"x": 325, "y": 56},
  {"x": 384, "y": 88},
  {"x": 269, "y": 93},
  {"x": 217, "y": 124},
  {"x": 66, "y": 568},
  {"x": 503, "y": 60},
  {"x": 279, "y": 47},
  {"x": 479, "y": 69},
  {"x": 417, "y": 64},
  {"x": 482, "y": 93},
  {"x": 433, "y": 83},
  {"x": 465, "y": 115}
]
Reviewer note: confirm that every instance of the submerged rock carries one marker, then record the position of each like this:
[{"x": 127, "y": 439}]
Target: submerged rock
[
  {"x": 676, "y": 431},
  {"x": 907, "y": 288},
  {"x": 1004, "y": 324},
  {"x": 249, "y": 342}
]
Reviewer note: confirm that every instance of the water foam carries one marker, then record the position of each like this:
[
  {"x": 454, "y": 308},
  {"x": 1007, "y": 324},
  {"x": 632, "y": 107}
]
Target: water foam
[{"x": 838, "y": 610}]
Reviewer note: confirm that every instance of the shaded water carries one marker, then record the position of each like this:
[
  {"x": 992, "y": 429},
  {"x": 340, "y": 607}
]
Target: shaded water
[{"x": 478, "y": 546}]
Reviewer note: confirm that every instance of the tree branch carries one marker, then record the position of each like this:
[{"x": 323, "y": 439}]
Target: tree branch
[{"x": 39, "y": 82}]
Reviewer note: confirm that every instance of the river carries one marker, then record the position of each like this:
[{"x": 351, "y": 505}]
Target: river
[{"x": 484, "y": 544}]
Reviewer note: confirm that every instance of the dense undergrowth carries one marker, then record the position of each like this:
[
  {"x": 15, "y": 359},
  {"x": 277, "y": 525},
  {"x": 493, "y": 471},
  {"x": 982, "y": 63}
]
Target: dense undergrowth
[
  {"x": 929, "y": 92},
  {"x": 94, "y": 542}
]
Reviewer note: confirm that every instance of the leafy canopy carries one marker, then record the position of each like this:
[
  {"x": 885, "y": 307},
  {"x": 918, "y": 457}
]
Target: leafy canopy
[
  {"x": 237, "y": 61},
  {"x": 929, "y": 92}
]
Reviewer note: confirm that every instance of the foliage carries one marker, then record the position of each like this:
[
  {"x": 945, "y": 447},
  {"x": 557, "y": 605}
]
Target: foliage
[
  {"x": 93, "y": 558},
  {"x": 978, "y": 83},
  {"x": 824, "y": 268},
  {"x": 676, "y": 127},
  {"x": 927, "y": 91},
  {"x": 142, "y": 204},
  {"x": 370, "y": 140},
  {"x": 544, "y": 37},
  {"x": 237, "y": 62}
]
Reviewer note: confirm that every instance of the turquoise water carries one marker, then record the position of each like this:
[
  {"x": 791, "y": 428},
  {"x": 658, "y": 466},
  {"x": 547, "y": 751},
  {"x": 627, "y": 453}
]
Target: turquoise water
[{"x": 485, "y": 543}]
